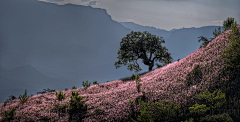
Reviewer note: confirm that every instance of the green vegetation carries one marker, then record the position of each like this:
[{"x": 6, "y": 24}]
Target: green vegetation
[
  {"x": 77, "y": 107},
  {"x": 60, "y": 96},
  {"x": 9, "y": 115},
  {"x": 137, "y": 82},
  {"x": 227, "y": 24},
  {"x": 205, "y": 41},
  {"x": 86, "y": 84},
  {"x": 23, "y": 98},
  {"x": 45, "y": 91},
  {"x": 132, "y": 77},
  {"x": 217, "y": 32},
  {"x": 138, "y": 45},
  {"x": 163, "y": 111},
  {"x": 95, "y": 82}
]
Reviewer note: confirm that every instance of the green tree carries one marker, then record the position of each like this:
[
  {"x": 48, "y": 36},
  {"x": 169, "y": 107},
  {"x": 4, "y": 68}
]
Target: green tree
[
  {"x": 204, "y": 40},
  {"x": 227, "y": 23},
  {"x": 217, "y": 32},
  {"x": 137, "y": 45}
]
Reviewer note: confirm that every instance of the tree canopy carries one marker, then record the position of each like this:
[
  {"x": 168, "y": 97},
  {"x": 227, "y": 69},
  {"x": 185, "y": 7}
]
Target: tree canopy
[
  {"x": 227, "y": 23},
  {"x": 145, "y": 46}
]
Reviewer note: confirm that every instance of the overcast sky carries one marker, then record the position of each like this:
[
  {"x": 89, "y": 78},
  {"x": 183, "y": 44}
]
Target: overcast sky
[{"x": 166, "y": 14}]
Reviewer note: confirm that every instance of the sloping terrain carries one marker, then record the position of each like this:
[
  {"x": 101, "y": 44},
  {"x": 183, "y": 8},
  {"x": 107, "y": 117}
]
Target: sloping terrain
[{"x": 113, "y": 97}]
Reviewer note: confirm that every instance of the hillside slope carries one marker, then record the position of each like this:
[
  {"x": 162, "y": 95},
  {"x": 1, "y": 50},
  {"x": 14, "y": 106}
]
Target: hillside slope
[{"x": 113, "y": 97}]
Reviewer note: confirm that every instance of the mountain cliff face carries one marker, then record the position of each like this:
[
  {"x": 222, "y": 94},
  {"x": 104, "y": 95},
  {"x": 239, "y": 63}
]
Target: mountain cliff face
[
  {"x": 111, "y": 99},
  {"x": 63, "y": 42}
]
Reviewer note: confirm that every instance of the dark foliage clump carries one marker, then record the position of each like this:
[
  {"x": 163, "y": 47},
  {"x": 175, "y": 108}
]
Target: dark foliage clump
[{"x": 46, "y": 91}]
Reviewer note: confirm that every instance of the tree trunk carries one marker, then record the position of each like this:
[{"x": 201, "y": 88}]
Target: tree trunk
[{"x": 150, "y": 67}]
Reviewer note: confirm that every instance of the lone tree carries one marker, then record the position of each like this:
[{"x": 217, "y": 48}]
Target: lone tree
[{"x": 137, "y": 45}]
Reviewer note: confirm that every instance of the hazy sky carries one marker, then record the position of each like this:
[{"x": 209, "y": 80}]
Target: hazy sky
[{"x": 166, "y": 14}]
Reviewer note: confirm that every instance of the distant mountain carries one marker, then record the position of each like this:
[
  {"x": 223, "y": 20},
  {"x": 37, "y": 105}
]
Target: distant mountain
[
  {"x": 60, "y": 41},
  {"x": 185, "y": 41},
  {"x": 27, "y": 77},
  {"x": 135, "y": 27}
]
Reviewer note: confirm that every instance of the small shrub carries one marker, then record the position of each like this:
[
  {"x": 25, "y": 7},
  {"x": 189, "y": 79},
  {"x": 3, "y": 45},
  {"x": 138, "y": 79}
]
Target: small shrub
[
  {"x": 199, "y": 109},
  {"x": 66, "y": 89},
  {"x": 73, "y": 87},
  {"x": 86, "y": 84},
  {"x": 11, "y": 98},
  {"x": 45, "y": 91},
  {"x": 95, "y": 82},
  {"x": 60, "y": 96},
  {"x": 213, "y": 99},
  {"x": 77, "y": 107},
  {"x": 5, "y": 103},
  {"x": 137, "y": 79},
  {"x": 9, "y": 115},
  {"x": 137, "y": 82},
  {"x": 23, "y": 98},
  {"x": 132, "y": 77},
  {"x": 160, "y": 112}
]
